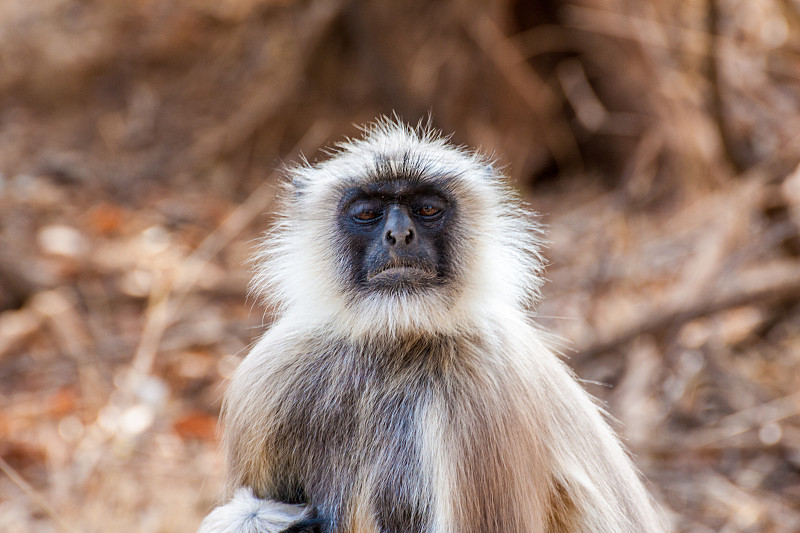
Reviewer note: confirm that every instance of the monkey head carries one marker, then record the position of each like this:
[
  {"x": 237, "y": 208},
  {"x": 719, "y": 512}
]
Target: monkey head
[{"x": 399, "y": 230}]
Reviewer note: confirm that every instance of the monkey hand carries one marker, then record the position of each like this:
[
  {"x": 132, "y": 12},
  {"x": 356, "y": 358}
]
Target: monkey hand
[{"x": 246, "y": 513}]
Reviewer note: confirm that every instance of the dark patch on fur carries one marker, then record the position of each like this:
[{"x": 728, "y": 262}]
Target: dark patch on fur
[
  {"x": 351, "y": 406},
  {"x": 564, "y": 514},
  {"x": 312, "y": 524}
]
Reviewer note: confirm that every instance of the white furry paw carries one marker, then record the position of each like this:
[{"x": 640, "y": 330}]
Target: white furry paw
[{"x": 246, "y": 513}]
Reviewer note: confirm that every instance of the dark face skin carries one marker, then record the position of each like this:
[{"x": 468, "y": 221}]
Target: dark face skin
[{"x": 395, "y": 235}]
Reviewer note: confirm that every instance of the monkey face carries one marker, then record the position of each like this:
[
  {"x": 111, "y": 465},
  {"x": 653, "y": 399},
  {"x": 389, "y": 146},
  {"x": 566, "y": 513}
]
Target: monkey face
[{"x": 395, "y": 234}]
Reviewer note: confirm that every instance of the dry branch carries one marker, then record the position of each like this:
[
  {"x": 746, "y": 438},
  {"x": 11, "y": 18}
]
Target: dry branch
[
  {"x": 35, "y": 496},
  {"x": 536, "y": 94},
  {"x": 766, "y": 289}
]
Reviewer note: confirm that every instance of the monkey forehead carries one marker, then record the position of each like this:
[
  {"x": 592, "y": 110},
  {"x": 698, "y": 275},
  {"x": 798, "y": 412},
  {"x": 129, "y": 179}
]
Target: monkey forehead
[{"x": 398, "y": 155}]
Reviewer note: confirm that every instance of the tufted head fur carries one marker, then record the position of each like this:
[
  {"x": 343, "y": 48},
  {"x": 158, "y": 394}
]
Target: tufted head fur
[{"x": 494, "y": 246}]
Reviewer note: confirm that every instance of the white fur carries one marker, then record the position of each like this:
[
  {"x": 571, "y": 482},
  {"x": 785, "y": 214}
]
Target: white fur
[{"x": 247, "y": 514}]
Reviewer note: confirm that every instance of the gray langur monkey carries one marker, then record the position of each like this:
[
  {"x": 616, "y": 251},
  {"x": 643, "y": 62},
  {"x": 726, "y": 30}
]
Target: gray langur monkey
[{"x": 402, "y": 387}]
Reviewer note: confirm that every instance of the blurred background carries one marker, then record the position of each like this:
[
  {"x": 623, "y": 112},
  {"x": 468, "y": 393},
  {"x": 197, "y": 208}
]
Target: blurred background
[{"x": 140, "y": 144}]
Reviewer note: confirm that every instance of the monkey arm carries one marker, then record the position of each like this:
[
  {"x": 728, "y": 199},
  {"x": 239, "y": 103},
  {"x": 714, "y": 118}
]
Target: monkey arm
[
  {"x": 257, "y": 394},
  {"x": 246, "y": 513}
]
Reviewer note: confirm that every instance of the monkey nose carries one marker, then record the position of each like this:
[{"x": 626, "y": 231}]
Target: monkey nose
[
  {"x": 399, "y": 229},
  {"x": 404, "y": 237}
]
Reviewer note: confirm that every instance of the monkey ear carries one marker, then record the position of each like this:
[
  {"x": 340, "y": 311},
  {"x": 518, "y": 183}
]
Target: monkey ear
[
  {"x": 297, "y": 178},
  {"x": 493, "y": 171},
  {"x": 298, "y": 183},
  {"x": 490, "y": 172},
  {"x": 297, "y": 186}
]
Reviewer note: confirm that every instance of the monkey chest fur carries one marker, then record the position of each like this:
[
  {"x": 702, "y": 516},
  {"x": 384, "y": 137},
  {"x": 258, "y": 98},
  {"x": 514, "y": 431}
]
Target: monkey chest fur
[{"x": 352, "y": 434}]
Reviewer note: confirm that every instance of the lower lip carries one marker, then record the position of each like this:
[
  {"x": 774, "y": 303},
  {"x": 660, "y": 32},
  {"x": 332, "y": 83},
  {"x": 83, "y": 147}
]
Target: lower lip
[{"x": 400, "y": 274}]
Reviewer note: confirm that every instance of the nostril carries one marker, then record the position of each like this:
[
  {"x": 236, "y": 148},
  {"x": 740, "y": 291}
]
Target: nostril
[
  {"x": 390, "y": 238},
  {"x": 409, "y": 236}
]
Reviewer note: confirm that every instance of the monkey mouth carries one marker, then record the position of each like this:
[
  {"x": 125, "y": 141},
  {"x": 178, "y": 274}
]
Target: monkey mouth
[{"x": 394, "y": 274}]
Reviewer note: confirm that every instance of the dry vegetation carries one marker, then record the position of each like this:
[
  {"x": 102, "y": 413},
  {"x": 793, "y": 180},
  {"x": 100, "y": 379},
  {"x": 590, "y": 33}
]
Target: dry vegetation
[{"x": 139, "y": 148}]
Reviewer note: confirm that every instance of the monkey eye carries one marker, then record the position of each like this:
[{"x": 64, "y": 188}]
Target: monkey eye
[
  {"x": 428, "y": 207},
  {"x": 365, "y": 212},
  {"x": 367, "y": 215},
  {"x": 428, "y": 211}
]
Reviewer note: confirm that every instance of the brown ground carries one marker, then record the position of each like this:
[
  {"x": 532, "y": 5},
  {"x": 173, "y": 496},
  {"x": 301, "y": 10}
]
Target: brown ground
[{"x": 138, "y": 147}]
